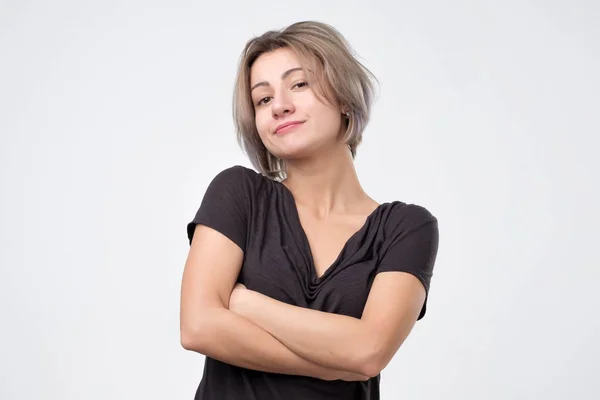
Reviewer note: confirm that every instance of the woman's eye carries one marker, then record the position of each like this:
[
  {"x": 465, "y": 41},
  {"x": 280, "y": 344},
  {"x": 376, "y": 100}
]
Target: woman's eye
[
  {"x": 263, "y": 101},
  {"x": 301, "y": 84}
]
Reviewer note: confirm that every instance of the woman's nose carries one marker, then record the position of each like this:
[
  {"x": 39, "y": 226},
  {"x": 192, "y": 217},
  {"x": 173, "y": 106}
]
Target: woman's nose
[{"x": 282, "y": 104}]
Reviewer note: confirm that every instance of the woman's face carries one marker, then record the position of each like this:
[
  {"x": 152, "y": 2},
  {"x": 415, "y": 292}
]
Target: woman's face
[{"x": 291, "y": 120}]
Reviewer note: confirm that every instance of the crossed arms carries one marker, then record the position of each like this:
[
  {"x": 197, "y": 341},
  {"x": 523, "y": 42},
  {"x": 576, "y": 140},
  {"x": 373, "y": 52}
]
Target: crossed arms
[{"x": 241, "y": 327}]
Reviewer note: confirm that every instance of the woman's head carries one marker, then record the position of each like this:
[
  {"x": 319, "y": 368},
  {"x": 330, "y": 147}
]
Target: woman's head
[{"x": 307, "y": 75}]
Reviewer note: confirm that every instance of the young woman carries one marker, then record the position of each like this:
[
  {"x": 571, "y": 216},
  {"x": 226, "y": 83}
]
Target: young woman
[{"x": 298, "y": 285}]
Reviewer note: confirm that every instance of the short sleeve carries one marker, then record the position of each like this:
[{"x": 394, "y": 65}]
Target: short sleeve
[
  {"x": 414, "y": 240},
  {"x": 225, "y": 205}
]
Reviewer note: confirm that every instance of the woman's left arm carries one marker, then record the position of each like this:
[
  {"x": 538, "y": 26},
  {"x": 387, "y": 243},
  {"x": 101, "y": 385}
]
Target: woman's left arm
[
  {"x": 364, "y": 346},
  {"x": 396, "y": 299}
]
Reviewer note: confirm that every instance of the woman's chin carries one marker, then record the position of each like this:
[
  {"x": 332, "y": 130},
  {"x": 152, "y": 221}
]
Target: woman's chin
[{"x": 293, "y": 152}]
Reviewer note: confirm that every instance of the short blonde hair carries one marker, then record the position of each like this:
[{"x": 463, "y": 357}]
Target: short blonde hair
[{"x": 335, "y": 73}]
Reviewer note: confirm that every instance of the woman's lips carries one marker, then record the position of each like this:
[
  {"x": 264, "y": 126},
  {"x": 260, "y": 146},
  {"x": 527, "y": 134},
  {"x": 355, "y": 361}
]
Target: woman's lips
[{"x": 287, "y": 127}]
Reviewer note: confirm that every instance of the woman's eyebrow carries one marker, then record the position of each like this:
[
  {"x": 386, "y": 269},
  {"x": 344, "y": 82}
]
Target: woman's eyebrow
[{"x": 283, "y": 76}]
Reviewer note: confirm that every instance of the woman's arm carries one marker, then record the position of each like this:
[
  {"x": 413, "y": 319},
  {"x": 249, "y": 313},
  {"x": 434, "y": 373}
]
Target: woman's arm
[
  {"x": 364, "y": 346},
  {"x": 209, "y": 328}
]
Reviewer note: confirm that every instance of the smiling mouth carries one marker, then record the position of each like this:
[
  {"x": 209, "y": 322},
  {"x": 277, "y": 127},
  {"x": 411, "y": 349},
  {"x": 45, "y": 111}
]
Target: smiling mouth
[{"x": 287, "y": 127}]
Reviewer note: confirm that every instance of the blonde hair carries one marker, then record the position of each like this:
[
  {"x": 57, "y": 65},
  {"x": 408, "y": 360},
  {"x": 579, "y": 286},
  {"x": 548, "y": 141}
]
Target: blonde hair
[{"x": 338, "y": 77}]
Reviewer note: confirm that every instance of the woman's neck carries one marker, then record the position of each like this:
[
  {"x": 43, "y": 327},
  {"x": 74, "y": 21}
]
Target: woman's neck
[{"x": 327, "y": 184}]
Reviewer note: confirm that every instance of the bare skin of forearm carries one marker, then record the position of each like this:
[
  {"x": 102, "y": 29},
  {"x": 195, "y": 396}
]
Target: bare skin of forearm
[{"x": 239, "y": 342}]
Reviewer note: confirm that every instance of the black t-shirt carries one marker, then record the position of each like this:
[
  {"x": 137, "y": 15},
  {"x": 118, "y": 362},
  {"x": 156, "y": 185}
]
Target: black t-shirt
[{"x": 261, "y": 217}]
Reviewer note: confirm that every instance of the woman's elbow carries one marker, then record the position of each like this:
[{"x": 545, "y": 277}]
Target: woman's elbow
[
  {"x": 190, "y": 338},
  {"x": 195, "y": 335},
  {"x": 373, "y": 359},
  {"x": 371, "y": 368}
]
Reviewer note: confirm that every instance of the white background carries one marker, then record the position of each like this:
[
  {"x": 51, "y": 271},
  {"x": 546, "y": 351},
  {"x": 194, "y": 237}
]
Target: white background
[{"x": 115, "y": 115}]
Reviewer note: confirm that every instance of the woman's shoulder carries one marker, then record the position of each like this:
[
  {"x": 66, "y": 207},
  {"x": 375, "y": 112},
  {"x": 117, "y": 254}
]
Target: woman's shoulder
[
  {"x": 237, "y": 173},
  {"x": 238, "y": 178},
  {"x": 228, "y": 202},
  {"x": 400, "y": 215},
  {"x": 244, "y": 184}
]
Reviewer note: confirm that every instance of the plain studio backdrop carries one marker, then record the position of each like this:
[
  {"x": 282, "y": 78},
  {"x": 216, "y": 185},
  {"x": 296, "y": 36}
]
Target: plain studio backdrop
[{"x": 115, "y": 116}]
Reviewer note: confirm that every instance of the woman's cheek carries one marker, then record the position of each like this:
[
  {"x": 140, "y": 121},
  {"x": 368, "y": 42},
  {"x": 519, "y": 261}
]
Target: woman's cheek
[{"x": 261, "y": 126}]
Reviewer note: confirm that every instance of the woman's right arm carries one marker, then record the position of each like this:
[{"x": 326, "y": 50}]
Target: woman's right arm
[{"x": 208, "y": 327}]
